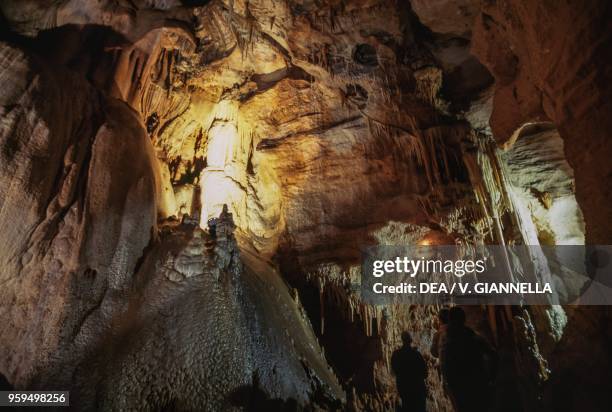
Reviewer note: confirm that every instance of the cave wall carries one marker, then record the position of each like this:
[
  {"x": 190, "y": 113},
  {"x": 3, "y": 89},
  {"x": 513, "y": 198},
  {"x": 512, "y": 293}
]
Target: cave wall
[
  {"x": 310, "y": 94},
  {"x": 549, "y": 62},
  {"x": 79, "y": 188},
  {"x": 542, "y": 184},
  {"x": 340, "y": 124},
  {"x": 97, "y": 297}
]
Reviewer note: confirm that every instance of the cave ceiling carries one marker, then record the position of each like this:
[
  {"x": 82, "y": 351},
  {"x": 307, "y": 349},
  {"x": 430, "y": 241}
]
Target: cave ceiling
[{"x": 322, "y": 93}]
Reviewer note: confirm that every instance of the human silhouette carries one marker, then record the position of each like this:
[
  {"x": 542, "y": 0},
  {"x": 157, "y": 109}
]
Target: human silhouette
[
  {"x": 410, "y": 374},
  {"x": 440, "y": 336},
  {"x": 468, "y": 365}
]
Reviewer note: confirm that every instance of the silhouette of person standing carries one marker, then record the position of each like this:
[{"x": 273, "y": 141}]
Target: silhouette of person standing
[
  {"x": 410, "y": 374},
  {"x": 468, "y": 363},
  {"x": 439, "y": 338}
]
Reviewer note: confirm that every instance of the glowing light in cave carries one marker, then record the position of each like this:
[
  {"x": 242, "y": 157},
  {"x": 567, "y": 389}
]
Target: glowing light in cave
[
  {"x": 223, "y": 137},
  {"x": 218, "y": 187},
  {"x": 216, "y": 191}
]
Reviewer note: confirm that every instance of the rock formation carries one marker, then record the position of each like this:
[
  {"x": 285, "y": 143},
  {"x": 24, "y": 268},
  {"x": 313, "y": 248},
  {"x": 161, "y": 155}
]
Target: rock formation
[{"x": 325, "y": 127}]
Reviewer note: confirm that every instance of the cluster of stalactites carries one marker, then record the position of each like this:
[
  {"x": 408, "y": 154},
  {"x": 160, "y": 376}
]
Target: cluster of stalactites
[
  {"x": 486, "y": 172},
  {"x": 429, "y": 148},
  {"x": 492, "y": 190},
  {"x": 338, "y": 294}
]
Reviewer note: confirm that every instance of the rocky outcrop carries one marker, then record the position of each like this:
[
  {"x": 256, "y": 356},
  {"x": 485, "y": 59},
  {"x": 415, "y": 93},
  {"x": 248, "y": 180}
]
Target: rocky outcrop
[
  {"x": 325, "y": 127},
  {"x": 201, "y": 330},
  {"x": 88, "y": 280},
  {"x": 549, "y": 64},
  {"x": 542, "y": 184},
  {"x": 79, "y": 188}
]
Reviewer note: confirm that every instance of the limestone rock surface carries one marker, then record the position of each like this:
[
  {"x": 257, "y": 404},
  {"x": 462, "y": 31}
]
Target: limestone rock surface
[{"x": 325, "y": 127}]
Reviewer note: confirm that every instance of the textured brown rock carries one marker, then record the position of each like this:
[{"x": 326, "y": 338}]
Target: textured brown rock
[
  {"x": 325, "y": 127},
  {"x": 549, "y": 62},
  {"x": 286, "y": 169},
  {"x": 449, "y": 17},
  {"x": 80, "y": 246},
  {"x": 543, "y": 182},
  {"x": 79, "y": 187},
  {"x": 200, "y": 331}
]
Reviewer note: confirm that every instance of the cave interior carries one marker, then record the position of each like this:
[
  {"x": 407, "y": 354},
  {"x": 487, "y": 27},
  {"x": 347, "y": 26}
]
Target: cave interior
[{"x": 325, "y": 127}]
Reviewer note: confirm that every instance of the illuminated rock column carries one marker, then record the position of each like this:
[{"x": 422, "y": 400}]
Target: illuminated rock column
[{"x": 222, "y": 179}]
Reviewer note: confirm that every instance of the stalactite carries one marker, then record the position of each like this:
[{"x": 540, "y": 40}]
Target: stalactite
[
  {"x": 428, "y": 84},
  {"x": 488, "y": 177},
  {"x": 422, "y": 146},
  {"x": 322, "y": 306}
]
